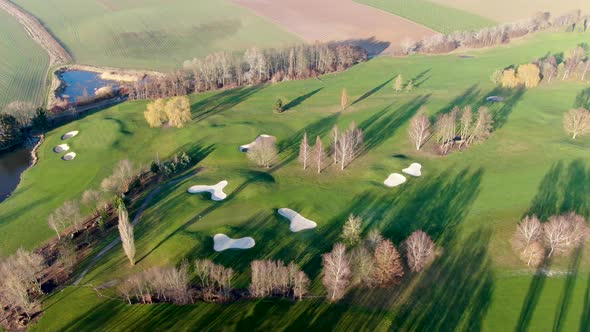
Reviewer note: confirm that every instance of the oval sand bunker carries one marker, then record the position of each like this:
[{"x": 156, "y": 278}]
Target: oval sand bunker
[
  {"x": 246, "y": 147},
  {"x": 70, "y": 134},
  {"x": 394, "y": 180},
  {"x": 216, "y": 191},
  {"x": 223, "y": 242},
  {"x": 61, "y": 148},
  {"x": 415, "y": 169},
  {"x": 69, "y": 156},
  {"x": 298, "y": 222}
]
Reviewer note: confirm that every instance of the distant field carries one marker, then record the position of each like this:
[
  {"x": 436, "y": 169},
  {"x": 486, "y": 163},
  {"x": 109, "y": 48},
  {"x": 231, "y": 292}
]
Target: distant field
[
  {"x": 152, "y": 34},
  {"x": 512, "y": 10},
  {"x": 437, "y": 17},
  {"x": 23, "y": 64},
  {"x": 339, "y": 20}
]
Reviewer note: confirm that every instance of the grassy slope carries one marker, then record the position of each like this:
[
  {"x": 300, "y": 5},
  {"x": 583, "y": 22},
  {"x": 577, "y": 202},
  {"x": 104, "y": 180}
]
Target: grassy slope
[
  {"x": 513, "y": 10},
  {"x": 23, "y": 64},
  {"x": 469, "y": 201},
  {"x": 441, "y": 18},
  {"x": 150, "y": 34}
]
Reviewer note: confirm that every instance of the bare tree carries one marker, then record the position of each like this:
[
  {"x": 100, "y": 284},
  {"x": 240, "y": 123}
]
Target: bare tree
[
  {"x": 19, "y": 281},
  {"x": 264, "y": 152},
  {"x": 203, "y": 273},
  {"x": 118, "y": 182},
  {"x": 373, "y": 239},
  {"x": 482, "y": 128},
  {"x": 126, "y": 233},
  {"x": 388, "y": 265},
  {"x": 564, "y": 233},
  {"x": 318, "y": 154},
  {"x": 351, "y": 231},
  {"x": 363, "y": 266},
  {"x": 66, "y": 215},
  {"x": 334, "y": 137},
  {"x": 465, "y": 123},
  {"x": 304, "y": 151},
  {"x": 343, "y": 99},
  {"x": 336, "y": 272},
  {"x": 446, "y": 131},
  {"x": 94, "y": 199},
  {"x": 300, "y": 284},
  {"x": 398, "y": 83},
  {"x": 349, "y": 145},
  {"x": 420, "y": 250},
  {"x": 528, "y": 230},
  {"x": 419, "y": 128},
  {"x": 533, "y": 254},
  {"x": 577, "y": 122}
]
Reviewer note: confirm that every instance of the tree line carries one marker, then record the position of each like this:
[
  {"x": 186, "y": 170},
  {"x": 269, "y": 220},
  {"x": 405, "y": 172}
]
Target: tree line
[
  {"x": 255, "y": 66},
  {"x": 500, "y": 34},
  {"x": 573, "y": 65},
  {"x": 535, "y": 241}
]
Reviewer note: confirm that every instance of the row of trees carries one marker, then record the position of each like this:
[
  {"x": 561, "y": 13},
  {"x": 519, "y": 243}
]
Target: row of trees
[
  {"x": 345, "y": 146},
  {"x": 374, "y": 262},
  {"x": 456, "y": 129},
  {"x": 576, "y": 122},
  {"x": 574, "y": 65},
  {"x": 213, "y": 283},
  {"x": 560, "y": 235},
  {"x": 175, "y": 112},
  {"x": 496, "y": 35},
  {"x": 20, "y": 286},
  {"x": 228, "y": 70}
]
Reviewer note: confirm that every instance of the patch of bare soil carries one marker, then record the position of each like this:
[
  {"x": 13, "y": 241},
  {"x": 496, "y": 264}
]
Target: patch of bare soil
[{"x": 339, "y": 21}]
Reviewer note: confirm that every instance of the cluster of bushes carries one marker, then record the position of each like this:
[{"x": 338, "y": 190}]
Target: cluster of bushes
[
  {"x": 345, "y": 146},
  {"x": 17, "y": 116},
  {"x": 374, "y": 261},
  {"x": 178, "y": 163},
  {"x": 213, "y": 283},
  {"x": 497, "y": 35},
  {"x": 457, "y": 129},
  {"x": 574, "y": 65},
  {"x": 174, "y": 113},
  {"x": 559, "y": 235}
]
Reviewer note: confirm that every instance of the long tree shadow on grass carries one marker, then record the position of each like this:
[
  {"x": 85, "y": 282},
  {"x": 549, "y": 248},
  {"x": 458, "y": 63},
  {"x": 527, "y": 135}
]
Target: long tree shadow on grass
[
  {"x": 568, "y": 290},
  {"x": 297, "y": 101},
  {"x": 372, "y": 91},
  {"x": 583, "y": 99},
  {"x": 222, "y": 101},
  {"x": 384, "y": 123},
  {"x": 532, "y": 297},
  {"x": 565, "y": 188}
]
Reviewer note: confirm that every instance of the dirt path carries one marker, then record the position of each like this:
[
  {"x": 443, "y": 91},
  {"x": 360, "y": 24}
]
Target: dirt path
[
  {"x": 136, "y": 220},
  {"x": 339, "y": 20},
  {"x": 57, "y": 54}
]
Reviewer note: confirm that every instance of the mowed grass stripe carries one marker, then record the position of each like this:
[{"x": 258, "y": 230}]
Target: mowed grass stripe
[{"x": 435, "y": 16}]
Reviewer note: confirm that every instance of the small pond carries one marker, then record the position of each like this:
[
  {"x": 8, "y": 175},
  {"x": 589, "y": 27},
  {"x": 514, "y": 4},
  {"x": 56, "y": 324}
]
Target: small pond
[
  {"x": 80, "y": 83},
  {"x": 12, "y": 165}
]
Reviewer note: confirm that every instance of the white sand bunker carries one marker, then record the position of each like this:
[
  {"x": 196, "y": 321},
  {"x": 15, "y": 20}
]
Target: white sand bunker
[
  {"x": 298, "y": 222},
  {"x": 223, "y": 242},
  {"x": 245, "y": 147},
  {"x": 495, "y": 99},
  {"x": 394, "y": 180},
  {"x": 70, "y": 134},
  {"x": 216, "y": 191},
  {"x": 413, "y": 170},
  {"x": 69, "y": 156},
  {"x": 61, "y": 148}
]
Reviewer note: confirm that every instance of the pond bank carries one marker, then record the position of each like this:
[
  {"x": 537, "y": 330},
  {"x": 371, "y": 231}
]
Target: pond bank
[{"x": 14, "y": 163}]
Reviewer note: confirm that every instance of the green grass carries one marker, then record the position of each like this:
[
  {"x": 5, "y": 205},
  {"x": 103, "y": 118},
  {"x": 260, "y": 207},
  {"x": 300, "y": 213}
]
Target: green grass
[
  {"x": 23, "y": 64},
  {"x": 441, "y": 18},
  {"x": 153, "y": 34},
  {"x": 469, "y": 202}
]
